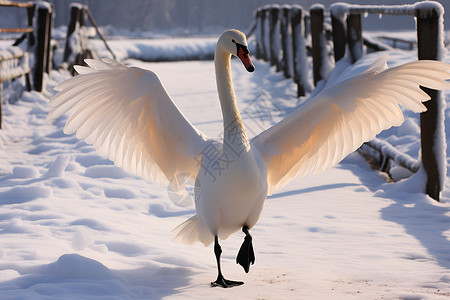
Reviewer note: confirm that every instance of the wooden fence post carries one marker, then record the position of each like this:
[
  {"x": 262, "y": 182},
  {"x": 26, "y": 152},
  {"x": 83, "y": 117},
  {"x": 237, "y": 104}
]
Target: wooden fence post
[
  {"x": 339, "y": 34},
  {"x": 298, "y": 48},
  {"x": 274, "y": 37},
  {"x": 1, "y": 98},
  {"x": 354, "y": 36},
  {"x": 30, "y": 18},
  {"x": 259, "y": 36},
  {"x": 431, "y": 121},
  {"x": 286, "y": 41},
  {"x": 318, "y": 38},
  {"x": 48, "y": 63},
  {"x": 74, "y": 21},
  {"x": 41, "y": 47},
  {"x": 85, "y": 53},
  {"x": 265, "y": 34}
]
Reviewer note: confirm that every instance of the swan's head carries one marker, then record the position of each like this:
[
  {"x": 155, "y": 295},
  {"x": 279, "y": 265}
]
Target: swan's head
[{"x": 235, "y": 42}]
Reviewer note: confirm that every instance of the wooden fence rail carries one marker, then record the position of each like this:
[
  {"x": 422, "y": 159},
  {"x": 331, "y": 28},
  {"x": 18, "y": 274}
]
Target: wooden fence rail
[
  {"x": 278, "y": 25},
  {"x": 397, "y": 41}
]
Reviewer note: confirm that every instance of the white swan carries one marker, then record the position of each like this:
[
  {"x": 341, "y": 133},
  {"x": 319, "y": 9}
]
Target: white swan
[{"x": 128, "y": 116}]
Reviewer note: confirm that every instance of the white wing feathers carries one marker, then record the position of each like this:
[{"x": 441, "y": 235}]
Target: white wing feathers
[
  {"x": 128, "y": 117},
  {"x": 337, "y": 121}
]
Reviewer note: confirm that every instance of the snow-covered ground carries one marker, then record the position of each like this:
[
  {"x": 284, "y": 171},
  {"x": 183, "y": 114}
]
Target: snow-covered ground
[
  {"x": 165, "y": 49},
  {"x": 74, "y": 226}
]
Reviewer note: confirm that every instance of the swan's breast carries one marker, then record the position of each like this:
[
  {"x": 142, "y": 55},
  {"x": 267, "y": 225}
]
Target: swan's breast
[{"x": 231, "y": 192}]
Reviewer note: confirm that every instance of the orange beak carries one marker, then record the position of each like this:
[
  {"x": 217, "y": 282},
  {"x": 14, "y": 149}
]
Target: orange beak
[{"x": 242, "y": 53}]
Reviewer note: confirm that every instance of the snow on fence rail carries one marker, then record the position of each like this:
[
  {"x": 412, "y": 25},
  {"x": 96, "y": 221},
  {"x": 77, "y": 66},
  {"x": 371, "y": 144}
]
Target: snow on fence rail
[
  {"x": 387, "y": 152},
  {"x": 281, "y": 39},
  {"x": 13, "y": 64}
]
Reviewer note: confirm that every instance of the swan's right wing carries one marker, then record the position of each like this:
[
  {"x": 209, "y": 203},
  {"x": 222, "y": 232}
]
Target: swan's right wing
[
  {"x": 337, "y": 121},
  {"x": 127, "y": 115}
]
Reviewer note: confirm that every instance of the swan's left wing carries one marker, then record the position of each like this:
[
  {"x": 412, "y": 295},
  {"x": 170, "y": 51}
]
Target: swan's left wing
[
  {"x": 128, "y": 116},
  {"x": 319, "y": 134}
]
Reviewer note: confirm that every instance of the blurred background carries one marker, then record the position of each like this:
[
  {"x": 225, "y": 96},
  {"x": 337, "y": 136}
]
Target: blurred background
[{"x": 187, "y": 17}]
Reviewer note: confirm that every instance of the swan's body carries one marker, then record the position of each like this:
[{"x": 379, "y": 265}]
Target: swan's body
[
  {"x": 236, "y": 175},
  {"x": 128, "y": 116},
  {"x": 239, "y": 189}
]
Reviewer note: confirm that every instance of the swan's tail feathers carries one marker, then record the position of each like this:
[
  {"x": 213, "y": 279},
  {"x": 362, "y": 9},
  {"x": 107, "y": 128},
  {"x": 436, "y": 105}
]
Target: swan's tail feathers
[{"x": 190, "y": 231}]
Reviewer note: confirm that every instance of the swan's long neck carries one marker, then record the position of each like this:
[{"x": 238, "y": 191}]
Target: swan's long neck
[{"x": 234, "y": 132}]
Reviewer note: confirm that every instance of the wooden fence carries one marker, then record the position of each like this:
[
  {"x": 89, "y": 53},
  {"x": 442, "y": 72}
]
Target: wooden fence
[
  {"x": 14, "y": 62},
  {"x": 275, "y": 25},
  {"x": 284, "y": 46}
]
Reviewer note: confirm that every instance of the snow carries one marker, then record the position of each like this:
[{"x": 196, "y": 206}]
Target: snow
[
  {"x": 339, "y": 10},
  {"x": 266, "y": 33},
  {"x": 300, "y": 71},
  {"x": 399, "y": 157},
  {"x": 153, "y": 50},
  {"x": 440, "y": 143},
  {"x": 14, "y": 62},
  {"x": 44, "y": 5},
  {"x": 286, "y": 38},
  {"x": 74, "y": 226},
  {"x": 424, "y": 8},
  {"x": 327, "y": 60},
  {"x": 317, "y": 6},
  {"x": 274, "y": 35},
  {"x": 76, "y": 5}
]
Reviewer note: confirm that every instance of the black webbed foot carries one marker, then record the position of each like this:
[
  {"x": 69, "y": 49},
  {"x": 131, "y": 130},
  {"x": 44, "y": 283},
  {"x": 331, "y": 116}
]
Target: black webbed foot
[
  {"x": 222, "y": 282},
  {"x": 246, "y": 255}
]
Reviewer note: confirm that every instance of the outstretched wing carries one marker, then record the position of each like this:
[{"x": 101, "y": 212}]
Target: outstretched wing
[
  {"x": 338, "y": 120},
  {"x": 127, "y": 115}
]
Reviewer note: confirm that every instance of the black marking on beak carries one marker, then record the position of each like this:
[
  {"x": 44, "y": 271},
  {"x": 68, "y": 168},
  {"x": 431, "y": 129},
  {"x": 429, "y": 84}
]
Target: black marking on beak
[
  {"x": 242, "y": 52},
  {"x": 240, "y": 46}
]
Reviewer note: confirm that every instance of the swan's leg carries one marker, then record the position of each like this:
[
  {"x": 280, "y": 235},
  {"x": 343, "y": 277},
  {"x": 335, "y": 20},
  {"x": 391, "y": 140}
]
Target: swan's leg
[
  {"x": 220, "y": 280},
  {"x": 246, "y": 256}
]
